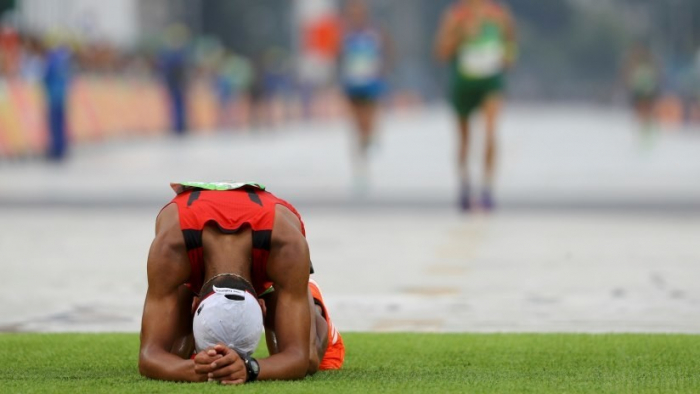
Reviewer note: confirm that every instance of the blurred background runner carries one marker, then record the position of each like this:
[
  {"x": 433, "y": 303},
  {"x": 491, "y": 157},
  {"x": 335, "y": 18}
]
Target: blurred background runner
[{"x": 477, "y": 38}]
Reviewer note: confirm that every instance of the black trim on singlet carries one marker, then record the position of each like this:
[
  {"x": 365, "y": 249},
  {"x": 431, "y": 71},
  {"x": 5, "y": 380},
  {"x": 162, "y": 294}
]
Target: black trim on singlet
[
  {"x": 254, "y": 197},
  {"x": 193, "y": 239},
  {"x": 193, "y": 197},
  {"x": 262, "y": 239}
]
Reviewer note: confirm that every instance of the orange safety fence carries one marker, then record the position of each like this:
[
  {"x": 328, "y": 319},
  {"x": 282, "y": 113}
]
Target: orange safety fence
[
  {"x": 22, "y": 124},
  {"x": 102, "y": 108},
  {"x": 99, "y": 108}
]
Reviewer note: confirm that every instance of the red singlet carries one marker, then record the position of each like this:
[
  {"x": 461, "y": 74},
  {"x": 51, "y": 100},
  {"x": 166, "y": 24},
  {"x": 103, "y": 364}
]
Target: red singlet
[{"x": 231, "y": 211}]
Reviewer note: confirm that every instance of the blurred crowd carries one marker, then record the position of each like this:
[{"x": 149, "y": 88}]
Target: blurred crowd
[
  {"x": 194, "y": 74},
  {"x": 179, "y": 81}
]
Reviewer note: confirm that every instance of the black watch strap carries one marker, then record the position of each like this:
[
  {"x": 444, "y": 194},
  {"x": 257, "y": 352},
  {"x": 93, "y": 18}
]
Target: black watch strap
[{"x": 252, "y": 368}]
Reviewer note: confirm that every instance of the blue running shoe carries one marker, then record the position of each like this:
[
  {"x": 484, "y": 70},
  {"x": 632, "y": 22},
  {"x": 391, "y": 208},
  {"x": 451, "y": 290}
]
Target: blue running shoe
[{"x": 487, "y": 200}]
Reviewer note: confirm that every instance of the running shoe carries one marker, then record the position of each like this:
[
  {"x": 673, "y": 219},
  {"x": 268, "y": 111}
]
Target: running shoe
[
  {"x": 487, "y": 200},
  {"x": 335, "y": 354}
]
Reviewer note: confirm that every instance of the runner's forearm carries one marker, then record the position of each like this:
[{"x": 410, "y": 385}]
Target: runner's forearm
[
  {"x": 446, "y": 46},
  {"x": 166, "y": 366},
  {"x": 448, "y": 39},
  {"x": 283, "y": 367}
]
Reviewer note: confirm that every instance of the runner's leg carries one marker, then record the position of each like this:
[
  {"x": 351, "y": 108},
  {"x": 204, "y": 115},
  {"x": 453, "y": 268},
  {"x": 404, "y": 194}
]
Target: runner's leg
[
  {"x": 363, "y": 113},
  {"x": 492, "y": 110},
  {"x": 463, "y": 162}
]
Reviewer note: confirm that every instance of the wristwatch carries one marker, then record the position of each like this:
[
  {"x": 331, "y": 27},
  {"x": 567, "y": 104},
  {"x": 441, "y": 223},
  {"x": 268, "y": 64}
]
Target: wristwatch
[{"x": 252, "y": 367}]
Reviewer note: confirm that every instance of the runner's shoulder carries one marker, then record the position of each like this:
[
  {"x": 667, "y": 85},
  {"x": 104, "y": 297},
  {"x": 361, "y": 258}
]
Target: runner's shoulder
[
  {"x": 167, "y": 258},
  {"x": 168, "y": 225},
  {"x": 499, "y": 10},
  {"x": 456, "y": 11},
  {"x": 287, "y": 223}
]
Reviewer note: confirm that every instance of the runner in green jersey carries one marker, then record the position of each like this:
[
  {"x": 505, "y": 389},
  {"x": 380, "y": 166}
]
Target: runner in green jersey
[{"x": 477, "y": 38}]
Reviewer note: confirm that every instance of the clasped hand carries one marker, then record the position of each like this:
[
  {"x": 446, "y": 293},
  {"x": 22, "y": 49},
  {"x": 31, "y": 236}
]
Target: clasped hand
[{"x": 221, "y": 364}]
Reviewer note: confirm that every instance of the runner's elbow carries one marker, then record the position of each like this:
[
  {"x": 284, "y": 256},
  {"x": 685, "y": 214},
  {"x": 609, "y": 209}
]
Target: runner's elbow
[
  {"x": 146, "y": 365},
  {"x": 314, "y": 364},
  {"x": 299, "y": 368},
  {"x": 144, "y": 368}
]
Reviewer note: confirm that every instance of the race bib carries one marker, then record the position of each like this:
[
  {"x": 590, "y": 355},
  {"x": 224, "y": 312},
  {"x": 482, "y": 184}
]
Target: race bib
[
  {"x": 223, "y": 185},
  {"x": 484, "y": 59},
  {"x": 644, "y": 79},
  {"x": 362, "y": 67}
]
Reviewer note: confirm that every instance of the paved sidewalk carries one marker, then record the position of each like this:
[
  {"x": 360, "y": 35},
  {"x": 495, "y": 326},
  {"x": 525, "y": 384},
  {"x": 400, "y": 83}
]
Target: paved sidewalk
[
  {"x": 595, "y": 234},
  {"x": 550, "y": 158},
  {"x": 386, "y": 271}
]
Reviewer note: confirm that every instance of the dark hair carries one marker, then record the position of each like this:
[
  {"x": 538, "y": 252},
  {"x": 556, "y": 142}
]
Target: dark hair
[{"x": 229, "y": 281}]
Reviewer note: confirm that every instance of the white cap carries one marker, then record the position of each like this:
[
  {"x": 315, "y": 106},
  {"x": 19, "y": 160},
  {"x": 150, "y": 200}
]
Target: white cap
[{"x": 229, "y": 316}]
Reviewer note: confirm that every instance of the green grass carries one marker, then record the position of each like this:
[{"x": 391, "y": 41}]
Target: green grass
[{"x": 384, "y": 363}]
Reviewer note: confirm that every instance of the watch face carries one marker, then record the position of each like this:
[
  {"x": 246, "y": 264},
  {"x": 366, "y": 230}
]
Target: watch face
[{"x": 254, "y": 366}]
